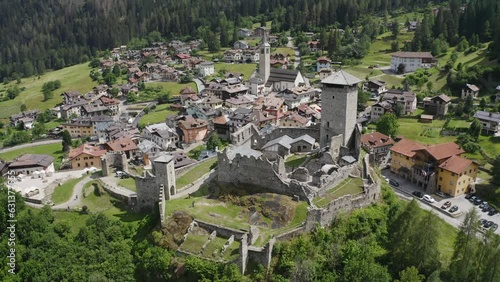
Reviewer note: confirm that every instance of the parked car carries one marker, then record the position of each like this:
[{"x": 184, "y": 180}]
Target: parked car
[
  {"x": 453, "y": 209},
  {"x": 125, "y": 175},
  {"x": 119, "y": 173},
  {"x": 473, "y": 198},
  {"x": 482, "y": 221},
  {"x": 418, "y": 194},
  {"x": 488, "y": 224},
  {"x": 486, "y": 208},
  {"x": 483, "y": 204},
  {"x": 477, "y": 201},
  {"x": 429, "y": 199},
  {"x": 494, "y": 227},
  {"x": 446, "y": 205},
  {"x": 468, "y": 196},
  {"x": 440, "y": 194},
  {"x": 393, "y": 183},
  {"x": 492, "y": 212}
]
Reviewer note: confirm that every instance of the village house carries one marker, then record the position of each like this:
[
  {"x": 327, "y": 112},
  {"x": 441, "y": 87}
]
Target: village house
[
  {"x": 73, "y": 108},
  {"x": 111, "y": 104},
  {"x": 271, "y": 105},
  {"x": 309, "y": 112},
  {"x": 162, "y": 135},
  {"x": 206, "y": 69},
  {"x": 226, "y": 88},
  {"x": 239, "y": 118},
  {"x": 204, "y": 113},
  {"x": 490, "y": 122},
  {"x": 95, "y": 108},
  {"x": 27, "y": 117},
  {"x": 324, "y": 73},
  {"x": 101, "y": 89},
  {"x": 148, "y": 150},
  {"x": 314, "y": 45},
  {"x": 251, "y": 56},
  {"x": 34, "y": 165},
  {"x": 439, "y": 106},
  {"x": 375, "y": 86},
  {"x": 410, "y": 61},
  {"x": 188, "y": 96},
  {"x": 323, "y": 63},
  {"x": 79, "y": 127},
  {"x": 193, "y": 130},
  {"x": 124, "y": 145},
  {"x": 231, "y": 56},
  {"x": 256, "y": 85},
  {"x": 239, "y": 102},
  {"x": 378, "y": 145},
  {"x": 285, "y": 145},
  {"x": 437, "y": 167},
  {"x": 380, "y": 108},
  {"x": 260, "y": 31},
  {"x": 211, "y": 102},
  {"x": 407, "y": 99},
  {"x": 241, "y": 45},
  {"x": 221, "y": 127},
  {"x": 297, "y": 95},
  {"x": 128, "y": 88},
  {"x": 244, "y": 32},
  {"x": 86, "y": 156},
  {"x": 411, "y": 25},
  {"x": 182, "y": 58},
  {"x": 294, "y": 120},
  {"x": 470, "y": 90},
  {"x": 280, "y": 61}
]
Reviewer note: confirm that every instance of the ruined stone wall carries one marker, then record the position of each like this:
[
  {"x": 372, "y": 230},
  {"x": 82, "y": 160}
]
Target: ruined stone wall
[
  {"x": 221, "y": 231},
  {"x": 147, "y": 191},
  {"x": 244, "y": 134},
  {"x": 183, "y": 170},
  {"x": 343, "y": 204},
  {"x": 117, "y": 160},
  {"x": 161, "y": 206},
  {"x": 258, "y": 172},
  {"x": 262, "y": 255}
]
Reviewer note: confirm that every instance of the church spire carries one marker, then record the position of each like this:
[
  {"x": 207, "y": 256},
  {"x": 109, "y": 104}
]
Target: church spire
[{"x": 265, "y": 57}]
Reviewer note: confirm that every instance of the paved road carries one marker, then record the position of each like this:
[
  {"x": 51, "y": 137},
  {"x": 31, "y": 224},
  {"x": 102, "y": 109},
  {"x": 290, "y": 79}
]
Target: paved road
[
  {"x": 76, "y": 198},
  {"x": 297, "y": 53},
  {"x": 27, "y": 145},
  {"x": 199, "y": 84}
]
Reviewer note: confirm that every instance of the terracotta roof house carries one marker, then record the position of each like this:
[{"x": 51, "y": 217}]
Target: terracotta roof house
[
  {"x": 378, "y": 145},
  {"x": 86, "y": 156},
  {"x": 124, "y": 144},
  {"x": 193, "y": 130},
  {"x": 294, "y": 120}
]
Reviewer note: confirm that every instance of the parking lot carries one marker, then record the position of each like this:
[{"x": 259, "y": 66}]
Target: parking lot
[{"x": 455, "y": 219}]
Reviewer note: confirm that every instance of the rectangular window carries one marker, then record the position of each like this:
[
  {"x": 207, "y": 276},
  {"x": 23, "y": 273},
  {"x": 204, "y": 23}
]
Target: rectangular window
[{"x": 440, "y": 178}]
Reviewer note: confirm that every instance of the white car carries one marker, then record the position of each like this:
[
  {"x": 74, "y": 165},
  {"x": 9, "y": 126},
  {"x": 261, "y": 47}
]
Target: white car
[{"x": 428, "y": 199}]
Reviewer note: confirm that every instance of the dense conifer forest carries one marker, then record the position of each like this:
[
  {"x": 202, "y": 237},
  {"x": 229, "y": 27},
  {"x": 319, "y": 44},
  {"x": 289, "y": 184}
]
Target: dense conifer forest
[{"x": 42, "y": 35}]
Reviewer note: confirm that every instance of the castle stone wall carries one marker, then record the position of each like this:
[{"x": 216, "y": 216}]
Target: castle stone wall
[
  {"x": 118, "y": 160},
  {"x": 221, "y": 231},
  {"x": 293, "y": 132}
]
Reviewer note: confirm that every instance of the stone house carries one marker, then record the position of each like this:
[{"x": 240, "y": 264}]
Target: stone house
[
  {"x": 35, "y": 165},
  {"x": 470, "y": 90},
  {"x": 323, "y": 63},
  {"x": 162, "y": 135},
  {"x": 324, "y": 73},
  {"x": 285, "y": 145},
  {"x": 261, "y": 31},
  {"x": 378, "y": 145},
  {"x": 206, "y": 69},
  {"x": 241, "y": 45},
  {"x": 375, "y": 86},
  {"x": 124, "y": 145},
  {"x": 439, "y": 105},
  {"x": 86, "y": 156},
  {"x": 406, "y": 98},
  {"x": 490, "y": 122},
  {"x": 193, "y": 130}
]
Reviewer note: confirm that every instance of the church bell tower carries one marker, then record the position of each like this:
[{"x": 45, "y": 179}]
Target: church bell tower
[{"x": 264, "y": 58}]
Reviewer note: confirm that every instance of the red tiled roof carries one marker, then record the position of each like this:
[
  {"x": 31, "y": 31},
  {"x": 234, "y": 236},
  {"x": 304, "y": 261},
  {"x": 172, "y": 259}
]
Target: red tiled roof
[
  {"x": 376, "y": 139},
  {"x": 122, "y": 145},
  {"x": 220, "y": 120},
  {"x": 443, "y": 151},
  {"x": 456, "y": 164},
  {"x": 407, "y": 147},
  {"x": 86, "y": 149}
]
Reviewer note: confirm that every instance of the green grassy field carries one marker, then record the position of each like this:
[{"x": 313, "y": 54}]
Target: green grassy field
[
  {"x": 208, "y": 56},
  {"x": 348, "y": 186},
  {"x": 128, "y": 183},
  {"x": 245, "y": 69},
  {"x": 295, "y": 160},
  {"x": 54, "y": 150},
  {"x": 195, "y": 173},
  {"x": 63, "y": 193},
  {"x": 285, "y": 50},
  {"x": 174, "y": 87},
  {"x": 159, "y": 114},
  {"x": 72, "y": 78}
]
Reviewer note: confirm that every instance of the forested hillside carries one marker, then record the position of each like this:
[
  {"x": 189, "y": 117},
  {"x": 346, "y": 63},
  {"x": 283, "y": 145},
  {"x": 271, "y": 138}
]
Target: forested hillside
[{"x": 41, "y": 35}]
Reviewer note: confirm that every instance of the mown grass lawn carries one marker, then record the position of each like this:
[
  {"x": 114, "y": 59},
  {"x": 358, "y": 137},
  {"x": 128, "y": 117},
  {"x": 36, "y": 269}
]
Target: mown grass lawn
[
  {"x": 350, "y": 186},
  {"x": 195, "y": 173},
  {"x": 63, "y": 193},
  {"x": 159, "y": 114},
  {"x": 128, "y": 183},
  {"x": 245, "y": 69},
  {"x": 54, "y": 150},
  {"x": 72, "y": 78},
  {"x": 295, "y": 160},
  {"x": 174, "y": 87}
]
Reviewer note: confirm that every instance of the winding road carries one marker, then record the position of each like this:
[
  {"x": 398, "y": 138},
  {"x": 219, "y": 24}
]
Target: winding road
[{"x": 27, "y": 145}]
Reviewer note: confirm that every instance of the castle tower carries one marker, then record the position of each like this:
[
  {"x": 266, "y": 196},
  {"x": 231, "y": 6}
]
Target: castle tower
[
  {"x": 163, "y": 169},
  {"x": 339, "y": 103},
  {"x": 265, "y": 59}
]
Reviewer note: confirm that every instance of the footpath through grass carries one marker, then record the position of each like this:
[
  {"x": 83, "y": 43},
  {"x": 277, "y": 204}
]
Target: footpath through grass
[
  {"x": 63, "y": 193},
  {"x": 54, "y": 150}
]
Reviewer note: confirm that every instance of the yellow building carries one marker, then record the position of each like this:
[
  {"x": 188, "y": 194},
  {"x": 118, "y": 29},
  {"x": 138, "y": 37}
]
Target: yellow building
[
  {"x": 79, "y": 128},
  {"x": 86, "y": 156},
  {"x": 456, "y": 174},
  {"x": 402, "y": 154}
]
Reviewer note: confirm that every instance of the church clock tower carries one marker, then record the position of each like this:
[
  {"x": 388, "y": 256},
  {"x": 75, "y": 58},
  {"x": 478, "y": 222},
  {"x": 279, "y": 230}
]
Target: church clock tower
[{"x": 265, "y": 59}]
